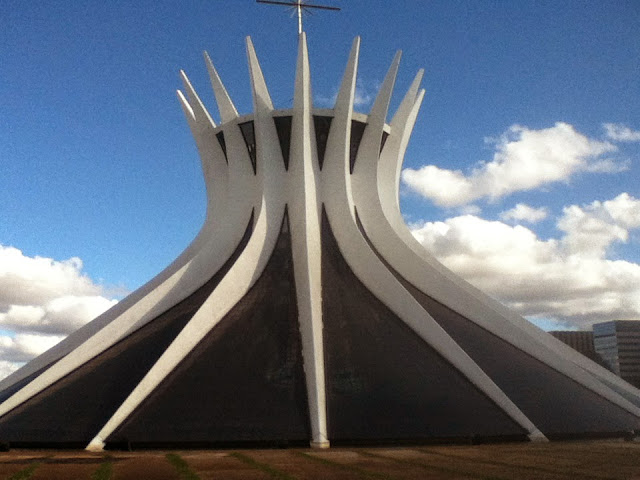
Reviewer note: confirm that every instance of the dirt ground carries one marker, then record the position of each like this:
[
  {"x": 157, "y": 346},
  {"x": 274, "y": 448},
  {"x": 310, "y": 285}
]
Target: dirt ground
[{"x": 562, "y": 460}]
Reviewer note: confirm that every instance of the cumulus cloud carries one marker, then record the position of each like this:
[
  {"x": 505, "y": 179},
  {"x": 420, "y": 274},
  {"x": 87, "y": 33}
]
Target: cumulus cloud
[
  {"x": 525, "y": 213},
  {"x": 592, "y": 229},
  {"x": 35, "y": 280},
  {"x": 41, "y": 301},
  {"x": 524, "y": 159},
  {"x": 569, "y": 278},
  {"x": 61, "y": 315},
  {"x": 23, "y": 347},
  {"x": 620, "y": 133}
]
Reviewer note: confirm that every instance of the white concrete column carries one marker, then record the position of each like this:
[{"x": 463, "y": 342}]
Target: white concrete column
[{"x": 304, "y": 218}]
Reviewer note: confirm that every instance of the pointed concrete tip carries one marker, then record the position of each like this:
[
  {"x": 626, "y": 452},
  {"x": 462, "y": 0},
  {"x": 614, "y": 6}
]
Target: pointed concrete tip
[
  {"x": 185, "y": 81},
  {"x": 261, "y": 96},
  {"x": 417, "y": 80},
  {"x": 185, "y": 105},
  {"x": 302, "y": 48},
  {"x": 344, "y": 99},
  {"x": 380, "y": 105},
  {"x": 252, "y": 56},
  {"x": 356, "y": 45},
  {"x": 226, "y": 107}
]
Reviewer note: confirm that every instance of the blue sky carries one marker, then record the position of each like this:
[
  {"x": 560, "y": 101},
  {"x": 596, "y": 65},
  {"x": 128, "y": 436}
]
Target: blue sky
[{"x": 97, "y": 162}]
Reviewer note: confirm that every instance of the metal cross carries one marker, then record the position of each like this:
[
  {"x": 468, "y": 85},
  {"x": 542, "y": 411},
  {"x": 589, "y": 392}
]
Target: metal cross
[{"x": 300, "y": 8}]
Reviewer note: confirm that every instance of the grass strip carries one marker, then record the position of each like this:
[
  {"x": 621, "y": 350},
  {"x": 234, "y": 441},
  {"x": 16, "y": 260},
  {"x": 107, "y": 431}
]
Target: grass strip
[
  {"x": 25, "y": 473},
  {"x": 181, "y": 466},
  {"x": 263, "y": 467},
  {"x": 104, "y": 471},
  {"x": 563, "y": 470},
  {"x": 436, "y": 468},
  {"x": 361, "y": 472}
]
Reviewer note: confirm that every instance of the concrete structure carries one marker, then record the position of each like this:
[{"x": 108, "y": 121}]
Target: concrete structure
[
  {"x": 580, "y": 341},
  {"x": 618, "y": 343},
  {"x": 305, "y": 311}
]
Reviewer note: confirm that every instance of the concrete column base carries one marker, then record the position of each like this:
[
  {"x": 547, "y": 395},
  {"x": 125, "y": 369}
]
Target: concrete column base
[
  {"x": 322, "y": 445},
  {"x": 96, "y": 445},
  {"x": 537, "y": 437}
]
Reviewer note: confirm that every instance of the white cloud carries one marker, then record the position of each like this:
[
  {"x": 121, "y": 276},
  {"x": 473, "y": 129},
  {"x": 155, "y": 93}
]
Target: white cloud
[
  {"x": 592, "y": 229},
  {"x": 608, "y": 165},
  {"x": 524, "y": 159},
  {"x": 364, "y": 95},
  {"x": 522, "y": 212},
  {"x": 470, "y": 210},
  {"x": 24, "y": 346},
  {"x": 41, "y": 301},
  {"x": 61, "y": 315},
  {"x": 620, "y": 133},
  {"x": 7, "y": 367},
  {"x": 569, "y": 279},
  {"x": 35, "y": 280}
]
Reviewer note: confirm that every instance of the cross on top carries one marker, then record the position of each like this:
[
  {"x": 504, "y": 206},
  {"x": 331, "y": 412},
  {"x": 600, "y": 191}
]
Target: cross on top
[{"x": 300, "y": 7}]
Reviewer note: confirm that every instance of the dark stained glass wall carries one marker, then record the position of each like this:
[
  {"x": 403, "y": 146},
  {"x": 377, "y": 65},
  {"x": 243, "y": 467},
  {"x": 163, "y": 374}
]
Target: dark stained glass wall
[
  {"x": 72, "y": 410},
  {"x": 244, "y": 382},
  {"x": 383, "y": 381},
  {"x": 557, "y": 405}
]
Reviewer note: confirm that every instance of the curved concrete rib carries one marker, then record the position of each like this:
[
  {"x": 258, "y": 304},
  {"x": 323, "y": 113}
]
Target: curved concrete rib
[
  {"x": 373, "y": 274},
  {"x": 362, "y": 210},
  {"x": 304, "y": 219},
  {"x": 226, "y": 107},
  {"x": 370, "y": 143},
  {"x": 215, "y": 242},
  {"x": 138, "y": 300},
  {"x": 401, "y": 127},
  {"x": 379, "y": 217},
  {"x": 388, "y": 184},
  {"x": 244, "y": 272}
]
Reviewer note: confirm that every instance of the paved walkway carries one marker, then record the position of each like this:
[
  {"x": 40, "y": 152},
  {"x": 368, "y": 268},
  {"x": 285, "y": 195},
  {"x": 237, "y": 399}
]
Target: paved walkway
[{"x": 567, "y": 460}]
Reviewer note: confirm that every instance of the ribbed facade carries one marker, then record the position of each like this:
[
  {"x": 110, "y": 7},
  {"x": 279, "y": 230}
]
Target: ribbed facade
[{"x": 305, "y": 311}]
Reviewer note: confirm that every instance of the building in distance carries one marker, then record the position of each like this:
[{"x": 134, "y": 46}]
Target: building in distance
[{"x": 618, "y": 344}]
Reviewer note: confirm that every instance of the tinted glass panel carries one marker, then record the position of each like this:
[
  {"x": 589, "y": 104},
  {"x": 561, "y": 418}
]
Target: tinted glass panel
[
  {"x": 385, "y": 135},
  {"x": 223, "y": 144},
  {"x": 322, "y": 126},
  {"x": 249, "y": 135},
  {"x": 283, "y": 127},
  {"x": 357, "y": 130}
]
